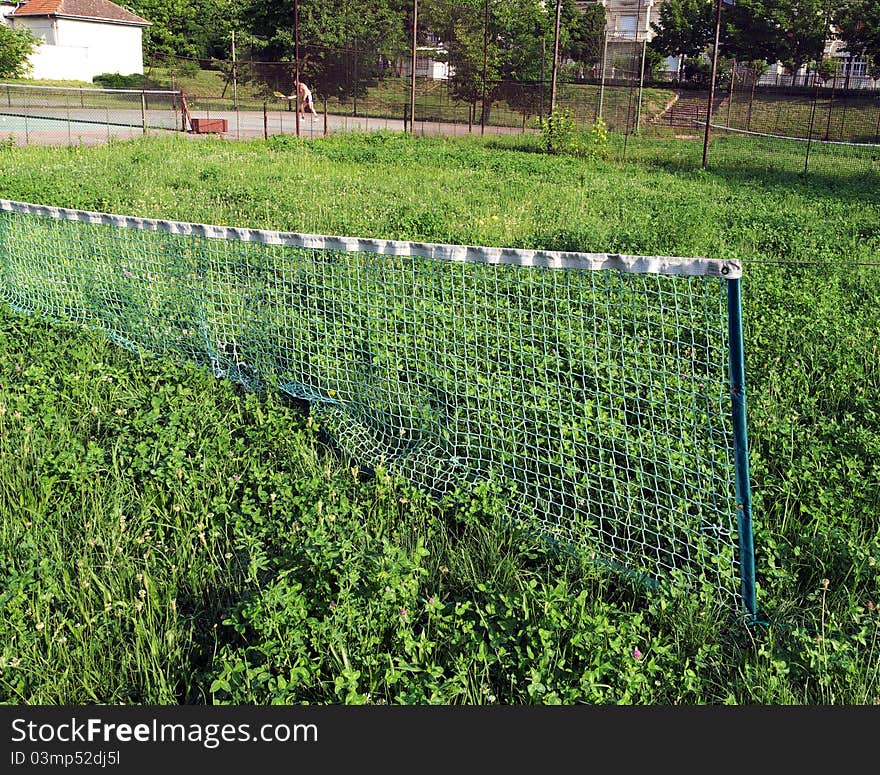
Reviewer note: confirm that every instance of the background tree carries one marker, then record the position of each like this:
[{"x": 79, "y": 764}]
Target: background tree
[
  {"x": 343, "y": 43},
  {"x": 15, "y": 48},
  {"x": 188, "y": 28},
  {"x": 750, "y": 33},
  {"x": 858, "y": 22},
  {"x": 518, "y": 44},
  {"x": 585, "y": 34},
  {"x": 685, "y": 29},
  {"x": 803, "y": 28}
]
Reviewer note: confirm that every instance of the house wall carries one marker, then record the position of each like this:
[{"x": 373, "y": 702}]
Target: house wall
[
  {"x": 79, "y": 50},
  {"x": 631, "y": 19},
  {"x": 426, "y": 68}
]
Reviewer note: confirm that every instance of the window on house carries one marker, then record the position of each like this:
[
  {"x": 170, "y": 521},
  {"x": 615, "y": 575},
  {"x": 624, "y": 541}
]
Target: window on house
[
  {"x": 627, "y": 25},
  {"x": 856, "y": 68}
]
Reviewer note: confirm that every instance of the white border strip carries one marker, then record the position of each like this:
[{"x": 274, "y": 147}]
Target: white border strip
[
  {"x": 813, "y": 140},
  {"x": 551, "y": 259},
  {"x": 88, "y": 90}
]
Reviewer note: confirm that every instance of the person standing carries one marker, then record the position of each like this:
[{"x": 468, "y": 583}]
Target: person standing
[{"x": 305, "y": 102}]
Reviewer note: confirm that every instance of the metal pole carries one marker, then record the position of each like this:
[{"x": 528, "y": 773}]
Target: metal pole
[
  {"x": 296, "y": 59},
  {"x": 485, "y": 49},
  {"x": 830, "y": 110},
  {"x": 712, "y": 82},
  {"x": 648, "y": 5},
  {"x": 730, "y": 93},
  {"x": 354, "y": 91},
  {"x": 555, "y": 70},
  {"x": 543, "y": 62},
  {"x": 143, "y": 113},
  {"x": 412, "y": 85},
  {"x": 810, "y": 132},
  {"x": 604, "y": 64},
  {"x": 741, "y": 446},
  {"x": 234, "y": 75}
]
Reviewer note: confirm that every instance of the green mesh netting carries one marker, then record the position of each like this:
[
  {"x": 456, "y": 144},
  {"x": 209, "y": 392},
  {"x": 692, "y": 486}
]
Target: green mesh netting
[{"x": 596, "y": 399}]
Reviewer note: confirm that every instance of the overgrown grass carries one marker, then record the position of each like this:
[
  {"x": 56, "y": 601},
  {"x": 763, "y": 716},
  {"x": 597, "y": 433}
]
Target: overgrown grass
[
  {"x": 167, "y": 539},
  {"x": 841, "y": 117}
]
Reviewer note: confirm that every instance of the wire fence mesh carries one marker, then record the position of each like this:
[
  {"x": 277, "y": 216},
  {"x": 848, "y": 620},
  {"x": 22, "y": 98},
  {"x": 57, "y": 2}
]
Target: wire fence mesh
[
  {"x": 826, "y": 128},
  {"x": 57, "y": 115},
  {"x": 591, "y": 391}
]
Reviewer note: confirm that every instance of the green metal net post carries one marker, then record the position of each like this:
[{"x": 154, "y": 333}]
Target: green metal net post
[
  {"x": 601, "y": 395},
  {"x": 741, "y": 446}
]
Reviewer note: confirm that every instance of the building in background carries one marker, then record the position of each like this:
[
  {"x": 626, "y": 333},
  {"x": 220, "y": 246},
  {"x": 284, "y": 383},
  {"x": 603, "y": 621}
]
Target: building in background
[
  {"x": 628, "y": 26},
  {"x": 80, "y": 38}
]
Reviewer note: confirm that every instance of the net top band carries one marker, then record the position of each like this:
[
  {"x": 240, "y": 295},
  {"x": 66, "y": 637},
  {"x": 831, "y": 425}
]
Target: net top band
[{"x": 727, "y": 269}]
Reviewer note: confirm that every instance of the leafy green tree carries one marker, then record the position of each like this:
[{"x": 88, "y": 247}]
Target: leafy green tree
[
  {"x": 749, "y": 32},
  {"x": 189, "y": 28},
  {"x": 858, "y": 22},
  {"x": 343, "y": 43},
  {"x": 827, "y": 69},
  {"x": 804, "y": 27},
  {"x": 15, "y": 48},
  {"x": 511, "y": 41},
  {"x": 685, "y": 29},
  {"x": 585, "y": 34}
]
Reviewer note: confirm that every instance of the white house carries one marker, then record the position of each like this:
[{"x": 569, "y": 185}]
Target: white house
[
  {"x": 427, "y": 66},
  {"x": 80, "y": 38}
]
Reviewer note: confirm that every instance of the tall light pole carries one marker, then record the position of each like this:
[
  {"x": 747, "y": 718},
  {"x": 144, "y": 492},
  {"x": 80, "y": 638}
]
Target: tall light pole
[
  {"x": 555, "y": 56},
  {"x": 712, "y": 81}
]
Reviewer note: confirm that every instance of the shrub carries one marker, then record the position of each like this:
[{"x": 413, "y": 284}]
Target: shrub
[
  {"x": 118, "y": 81},
  {"x": 559, "y": 134},
  {"x": 15, "y": 48}
]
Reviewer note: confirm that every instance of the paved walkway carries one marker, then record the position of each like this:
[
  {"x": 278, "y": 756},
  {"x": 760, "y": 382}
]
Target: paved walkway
[{"x": 36, "y": 125}]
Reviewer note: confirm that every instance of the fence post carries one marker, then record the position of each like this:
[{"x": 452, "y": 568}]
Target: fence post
[
  {"x": 602, "y": 82},
  {"x": 741, "y": 445},
  {"x": 265, "y": 121},
  {"x": 810, "y": 133},
  {"x": 412, "y": 82},
  {"x": 830, "y": 111},
  {"x": 485, "y": 54},
  {"x": 143, "y": 112},
  {"x": 712, "y": 83},
  {"x": 730, "y": 93}
]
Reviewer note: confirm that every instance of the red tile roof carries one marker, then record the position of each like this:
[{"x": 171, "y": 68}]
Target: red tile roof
[{"x": 86, "y": 9}]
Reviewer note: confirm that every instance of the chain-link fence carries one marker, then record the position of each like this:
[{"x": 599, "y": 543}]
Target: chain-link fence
[
  {"x": 54, "y": 115},
  {"x": 824, "y": 128}
]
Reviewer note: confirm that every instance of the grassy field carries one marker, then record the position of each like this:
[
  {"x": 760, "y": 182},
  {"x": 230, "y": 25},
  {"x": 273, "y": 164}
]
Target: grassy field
[
  {"x": 840, "y": 117},
  {"x": 165, "y": 538}
]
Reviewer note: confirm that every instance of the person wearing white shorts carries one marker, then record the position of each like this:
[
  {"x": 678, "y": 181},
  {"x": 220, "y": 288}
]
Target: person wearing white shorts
[{"x": 306, "y": 102}]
